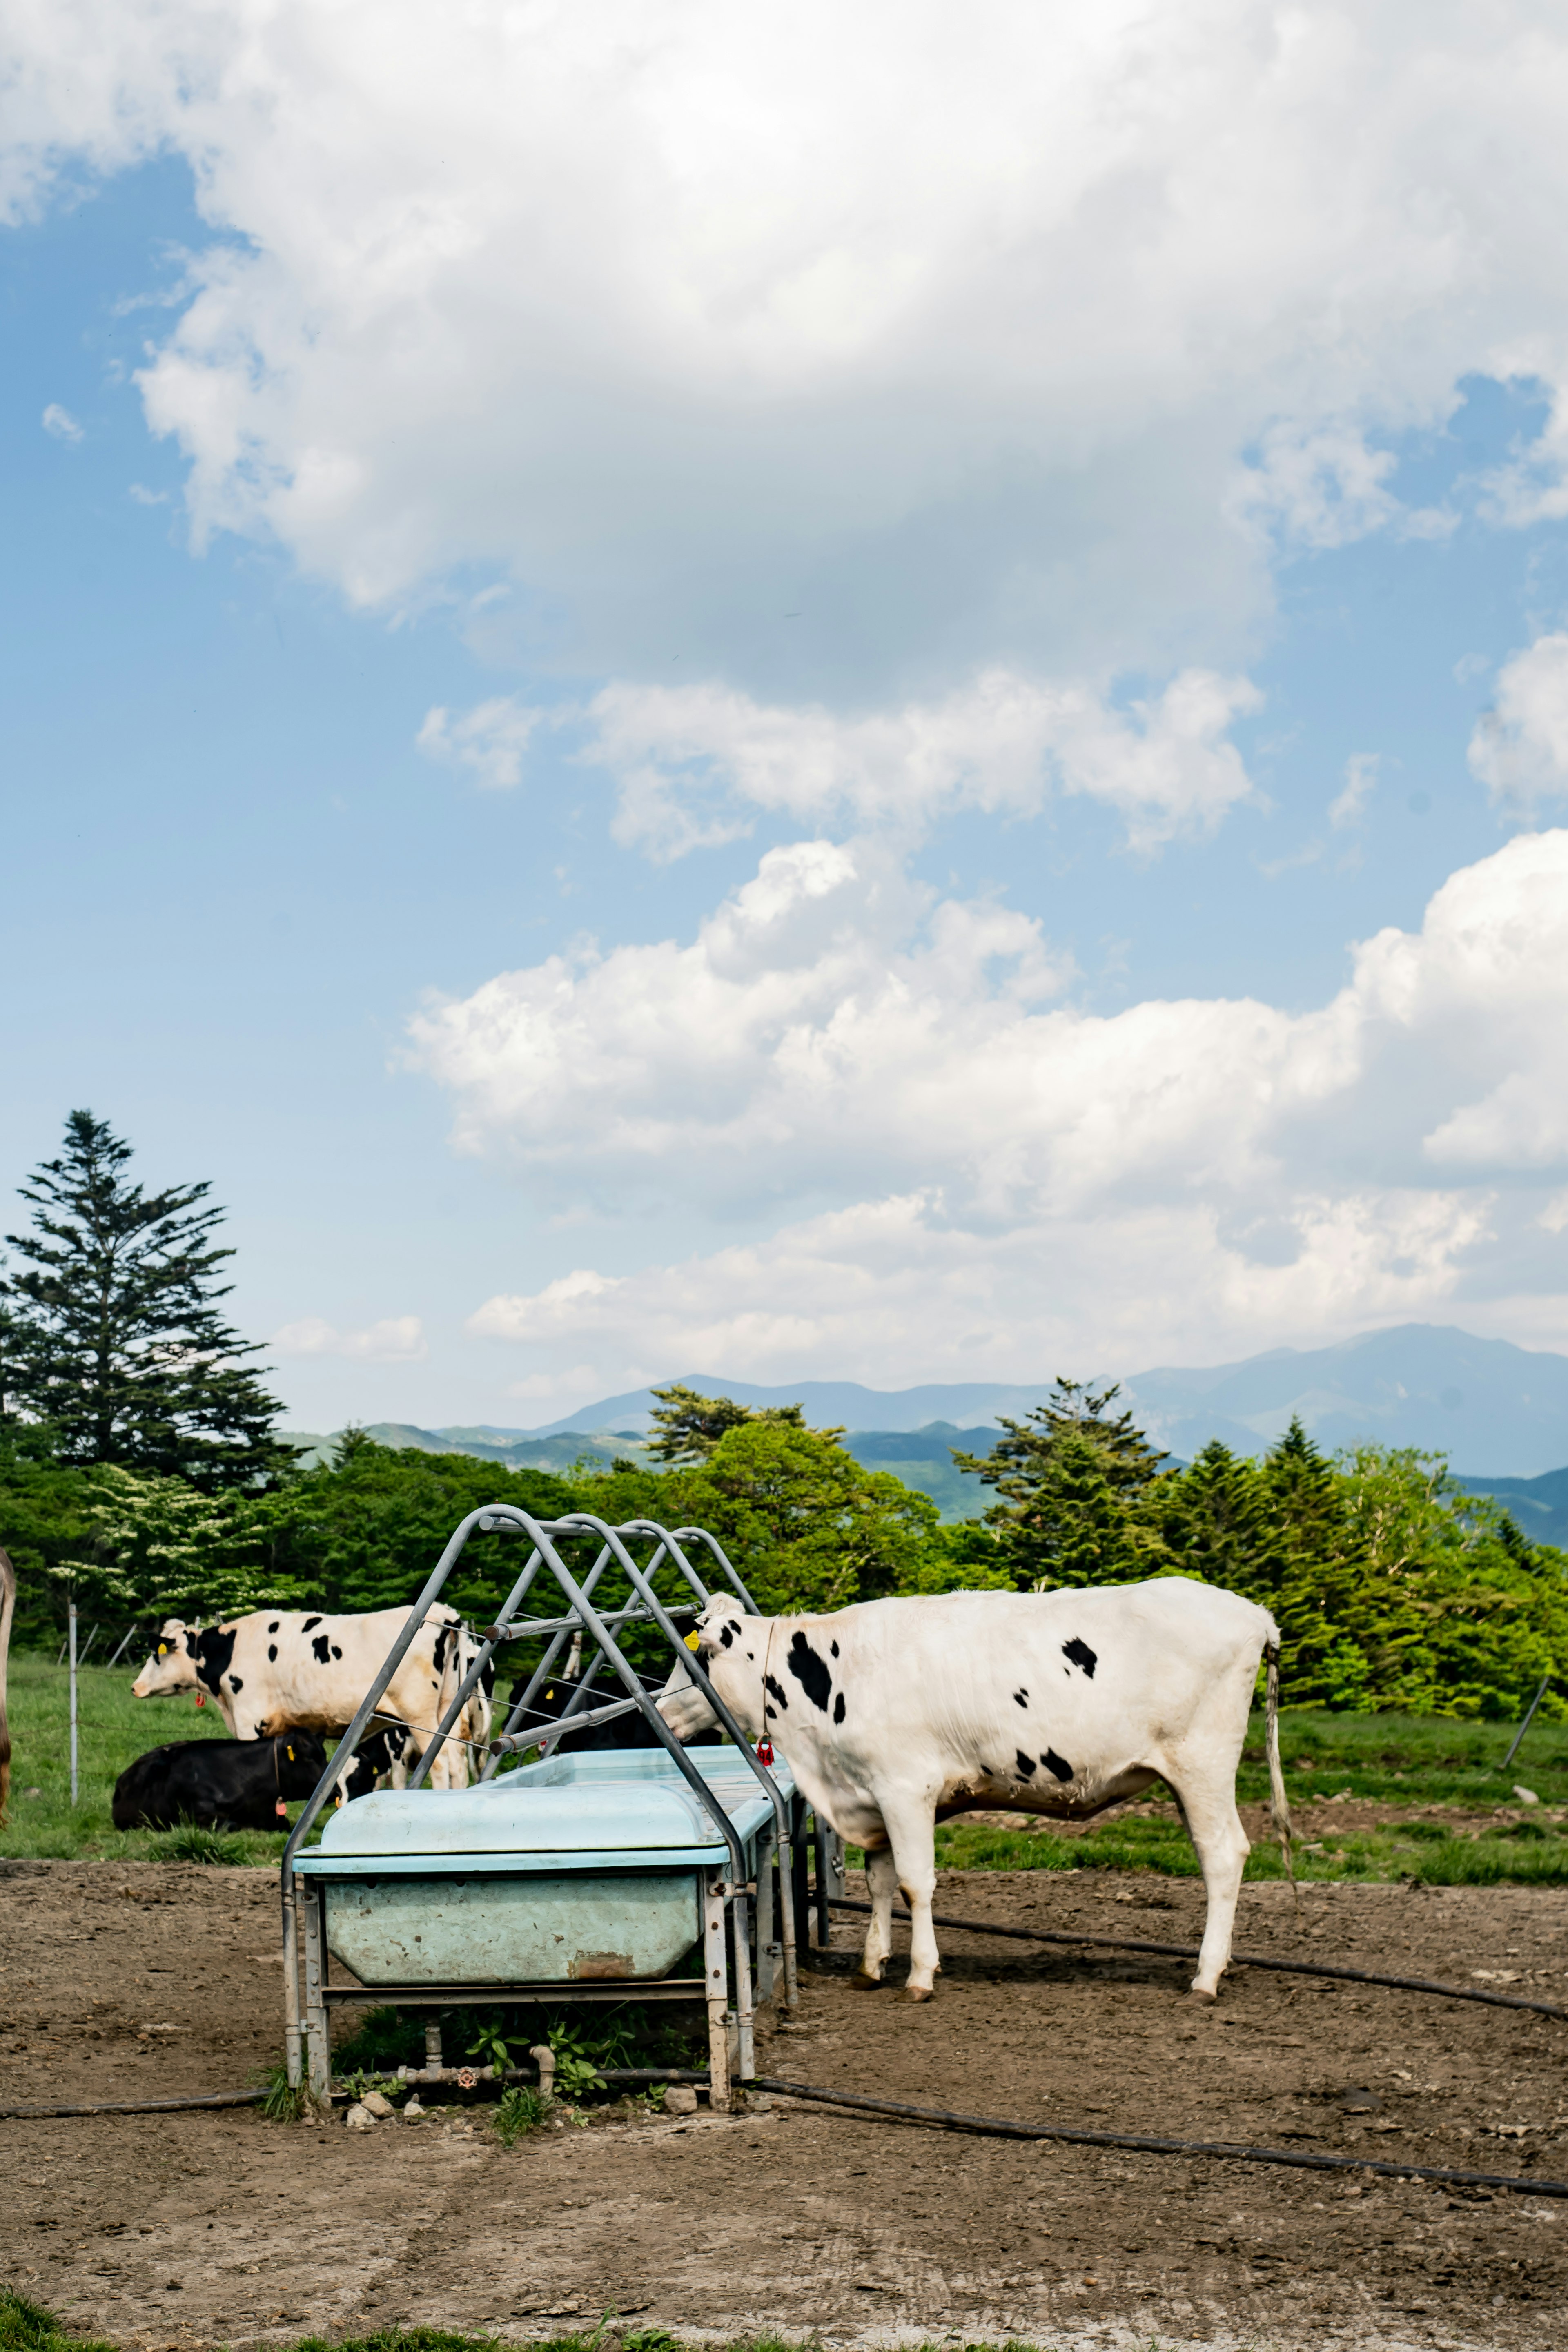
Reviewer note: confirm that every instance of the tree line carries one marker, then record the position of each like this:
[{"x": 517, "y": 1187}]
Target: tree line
[{"x": 141, "y": 1468}]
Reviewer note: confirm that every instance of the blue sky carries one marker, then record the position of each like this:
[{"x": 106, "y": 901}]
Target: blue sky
[{"x": 666, "y": 720}]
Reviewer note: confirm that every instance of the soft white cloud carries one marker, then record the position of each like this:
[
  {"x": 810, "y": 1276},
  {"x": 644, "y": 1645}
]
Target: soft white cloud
[
  {"x": 397, "y": 1339},
  {"x": 691, "y": 761},
  {"x": 693, "y": 764},
  {"x": 1520, "y": 748},
  {"x": 1323, "y": 486},
  {"x": 847, "y": 352},
  {"x": 830, "y": 992},
  {"x": 884, "y": 1285},
  {"x": 1361, "y": 780},
  {"x": 489, "y": 741},
  {"x": 1190, "y": 1174},
  {"x": 60, "y": 424}
]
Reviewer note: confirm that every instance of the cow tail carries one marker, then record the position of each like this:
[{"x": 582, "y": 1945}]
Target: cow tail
[{"x": 1278, "y": 1802}]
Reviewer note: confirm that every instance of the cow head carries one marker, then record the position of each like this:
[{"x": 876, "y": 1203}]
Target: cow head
[
  {"x": 171, "y": 1667},
  {"x": 721, "y": 1625},
  {"x": 300, "y": 1762},
  {"x": 733, "y": 1647}
]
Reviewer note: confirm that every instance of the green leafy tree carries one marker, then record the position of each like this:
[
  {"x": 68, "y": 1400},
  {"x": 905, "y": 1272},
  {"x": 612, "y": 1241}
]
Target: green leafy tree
[
  {"x": 689, "y": 1427},
  {"x": 1074, "y": 1483},
  {"x": 112, "y": 1334},
  {"x": 364, "y": 1530},
  {"x": 807, "y": 1525},
  {"x": 44, "y": 1521},
  {"x": 160, "y": 1547}
]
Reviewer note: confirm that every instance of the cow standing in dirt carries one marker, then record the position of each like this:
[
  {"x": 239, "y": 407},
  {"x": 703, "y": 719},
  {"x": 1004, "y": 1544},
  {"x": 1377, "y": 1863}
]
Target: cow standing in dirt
[
  {"x": 895, "y": 1714},
  {"x": 279, "y": 1668}
]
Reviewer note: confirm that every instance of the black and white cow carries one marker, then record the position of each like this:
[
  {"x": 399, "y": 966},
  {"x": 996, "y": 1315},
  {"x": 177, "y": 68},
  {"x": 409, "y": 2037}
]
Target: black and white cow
[
  {"x": 220, "y": 1784},
  {"x": 896, "y": 1714},
  {"x": 279, "y": 1668}
]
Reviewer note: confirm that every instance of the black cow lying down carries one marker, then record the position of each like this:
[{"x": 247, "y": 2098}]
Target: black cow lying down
[{"x": 219, "y": 1784}]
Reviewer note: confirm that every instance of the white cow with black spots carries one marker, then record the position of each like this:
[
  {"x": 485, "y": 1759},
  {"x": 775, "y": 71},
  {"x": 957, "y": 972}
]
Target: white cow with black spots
[
  {"x": 896, "y": 1714},
  {"x": 278, "y": 1669}
]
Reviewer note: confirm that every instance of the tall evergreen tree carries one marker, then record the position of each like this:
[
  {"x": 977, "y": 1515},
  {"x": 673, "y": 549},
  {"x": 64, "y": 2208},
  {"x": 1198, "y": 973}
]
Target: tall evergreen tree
[
  {"x": 1217, "y": 1520},
  {"x": 113, "y": 1337},
  {"x": 1074, "y": 1481}
]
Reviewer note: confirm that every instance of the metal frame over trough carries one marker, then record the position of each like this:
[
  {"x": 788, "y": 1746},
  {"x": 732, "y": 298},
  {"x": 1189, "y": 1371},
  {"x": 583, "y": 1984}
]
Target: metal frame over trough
[{"x": 587, "y": 1877}]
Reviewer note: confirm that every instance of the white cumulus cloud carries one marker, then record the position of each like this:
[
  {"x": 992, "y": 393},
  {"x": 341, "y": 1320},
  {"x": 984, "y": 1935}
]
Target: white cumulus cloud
[
  {"x": 839, "y": 353},
  {"x": 489, "y": 741},
  {"x": 397, "y": 1339},
  {"x": 1205, "y": 1172},
  {"x": 1520, "y": 748},
  {"x": 690, "y": 761}
]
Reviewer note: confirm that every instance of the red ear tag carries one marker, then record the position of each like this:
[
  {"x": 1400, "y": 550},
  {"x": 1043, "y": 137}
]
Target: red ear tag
[
  {"x": 764, "y": 1751},
  {"x": 283, "y": 1809},
  {"x": 201, "y": 1698}
]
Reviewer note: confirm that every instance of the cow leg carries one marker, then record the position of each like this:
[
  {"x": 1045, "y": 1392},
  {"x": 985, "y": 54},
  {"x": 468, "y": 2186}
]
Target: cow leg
[
  {"x": 1222, "y": 1846},
  {"x": 881, "y": 1878},
  {"x": 912, "y": 1833}
]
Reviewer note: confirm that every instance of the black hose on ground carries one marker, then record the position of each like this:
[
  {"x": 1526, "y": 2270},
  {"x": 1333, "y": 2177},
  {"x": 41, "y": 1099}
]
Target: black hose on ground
[
  {"x": 135, "y": 2107},
  {"x": 1238, "y": 1960},
  {"x": 1234, "y": 2152},
  {"x": 253, "y": 2098},
  {"x": 947, "y": 2118}
]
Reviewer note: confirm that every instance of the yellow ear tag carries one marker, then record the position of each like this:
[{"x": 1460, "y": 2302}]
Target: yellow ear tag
[
  {"x": 550, "y": 1695},
  {"x": 162, "y": 1649},
  {"x": 694, "y": 1640},
  {"x": 290, "y": 1753}
]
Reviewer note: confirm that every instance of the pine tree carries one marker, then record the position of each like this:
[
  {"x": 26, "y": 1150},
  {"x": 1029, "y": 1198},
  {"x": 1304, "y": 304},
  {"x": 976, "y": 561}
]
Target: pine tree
[
  {"x": 689, "y": 1426},
  {"x": 113, "y": 1337},
  {"x": 1074, "y": 1483},
  {"x": 1217, "y": 1520}
]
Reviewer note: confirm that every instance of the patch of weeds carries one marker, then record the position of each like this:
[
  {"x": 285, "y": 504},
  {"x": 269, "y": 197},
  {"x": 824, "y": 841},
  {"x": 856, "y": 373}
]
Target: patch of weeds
[
  {"x": 576, "y": 2071},
  {"x": 521, "y": 2110},
  {"x": 649, "y": 2339},
  {"x": 190, "y": 1842},
  {"x": 27, "y": 2328},
  {"x": 285, "y": 2102}
]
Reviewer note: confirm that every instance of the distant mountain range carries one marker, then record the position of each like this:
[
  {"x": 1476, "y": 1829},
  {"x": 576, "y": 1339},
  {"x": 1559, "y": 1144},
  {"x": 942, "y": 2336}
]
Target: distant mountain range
[
  {"x": 1499, "y": 1412},
  {"x": 1494, "y": 1408}
]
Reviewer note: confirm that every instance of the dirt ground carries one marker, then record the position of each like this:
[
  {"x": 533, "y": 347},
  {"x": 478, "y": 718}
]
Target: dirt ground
[{"x": 195, "y": 2230}]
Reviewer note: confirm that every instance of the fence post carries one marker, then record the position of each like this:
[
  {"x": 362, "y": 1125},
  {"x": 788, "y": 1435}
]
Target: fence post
[
  {"x": 1529, "y": 1718},
  {"x": 70, "y": 1637}
]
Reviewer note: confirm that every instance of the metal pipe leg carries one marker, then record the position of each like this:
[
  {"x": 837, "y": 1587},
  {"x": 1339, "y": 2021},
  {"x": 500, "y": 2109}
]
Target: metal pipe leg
[
  {"x": 824, "y": 1917},
  {"x": 745, "y": 2007},
  {"x": 293, "y": 2051},
  {"x": 769, "y": 1949},
  {"x": 716, "y": 1971},
  {"x": 318, "y": 2036},
  {"x": 786, "y": 1916},
  {"x": 800, "y": 1884}
]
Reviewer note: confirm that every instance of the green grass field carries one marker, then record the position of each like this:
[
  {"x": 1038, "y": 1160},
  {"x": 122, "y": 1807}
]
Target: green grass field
[
  {"x": 112, "y": 1729},
  {"x": 1398, "y": 1759}
]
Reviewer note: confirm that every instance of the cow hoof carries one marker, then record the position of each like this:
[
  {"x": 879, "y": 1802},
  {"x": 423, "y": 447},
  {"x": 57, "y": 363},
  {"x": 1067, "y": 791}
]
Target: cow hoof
[
  {"x": 863, "y": 1983},
  {"x": 1207, "y": 2000},
  {"x": 920, "y": 1992}
]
